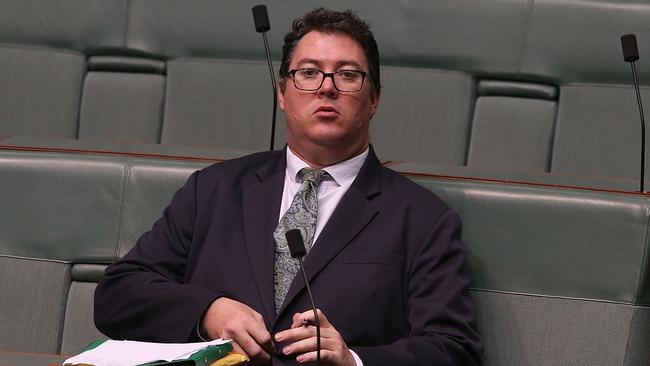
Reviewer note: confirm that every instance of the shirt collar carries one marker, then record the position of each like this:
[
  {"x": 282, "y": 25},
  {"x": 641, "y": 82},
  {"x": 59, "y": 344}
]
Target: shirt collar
[{"x": 342, "y": 173}]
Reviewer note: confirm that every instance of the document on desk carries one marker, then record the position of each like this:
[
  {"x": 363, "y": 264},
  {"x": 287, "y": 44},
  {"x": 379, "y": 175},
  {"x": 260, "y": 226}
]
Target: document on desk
[{"x": 132, "y": 353}]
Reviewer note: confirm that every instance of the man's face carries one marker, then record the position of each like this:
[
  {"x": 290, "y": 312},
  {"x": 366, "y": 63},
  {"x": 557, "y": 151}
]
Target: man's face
[{"x": 327, "y": 118}]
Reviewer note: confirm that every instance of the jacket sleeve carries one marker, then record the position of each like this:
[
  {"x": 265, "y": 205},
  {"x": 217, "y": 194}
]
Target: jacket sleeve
[
  {"x": 143, "y": 296},
  {"x": 440, "y": 311}
]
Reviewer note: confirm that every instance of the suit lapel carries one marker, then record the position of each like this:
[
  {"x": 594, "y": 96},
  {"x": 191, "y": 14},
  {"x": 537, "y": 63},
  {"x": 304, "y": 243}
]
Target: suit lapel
[
  {"x": 350, "y": 217},
  {"x": 261, "y": 207}
]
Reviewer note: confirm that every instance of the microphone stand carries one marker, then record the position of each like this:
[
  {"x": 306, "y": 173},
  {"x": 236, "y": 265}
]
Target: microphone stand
[
  {"x": 297, "y": 249},
  {"x": 631, "y": 54},
  {"x": 313, "y": 306},
  {"x": 262, "y": 25},
  {"x": 638, "y": 100}
]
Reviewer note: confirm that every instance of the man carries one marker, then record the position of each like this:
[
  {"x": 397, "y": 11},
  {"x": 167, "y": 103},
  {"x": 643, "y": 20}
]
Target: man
[{"x": 386, "y": 263}]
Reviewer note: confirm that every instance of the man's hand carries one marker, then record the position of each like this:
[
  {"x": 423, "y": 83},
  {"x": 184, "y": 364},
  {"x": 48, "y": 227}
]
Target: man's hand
[
  {"x": 230, "y": 319},
  {"x": 301, "y": 340}
]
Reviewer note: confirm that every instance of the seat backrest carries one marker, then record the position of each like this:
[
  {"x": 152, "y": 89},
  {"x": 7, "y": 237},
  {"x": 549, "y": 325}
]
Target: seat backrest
[
  {"x": 560, "y": 277},
  {"x": 193, "y": 73}
]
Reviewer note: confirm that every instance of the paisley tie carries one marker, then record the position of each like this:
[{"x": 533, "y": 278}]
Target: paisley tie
[{"x": 301, "y": 215}]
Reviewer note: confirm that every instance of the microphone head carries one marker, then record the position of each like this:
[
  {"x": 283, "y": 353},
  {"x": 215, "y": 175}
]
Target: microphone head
[
  {"x": 630, "y": 50},
  {"x": 296, "y": 243},
  {"x": 261, "y": 18}
]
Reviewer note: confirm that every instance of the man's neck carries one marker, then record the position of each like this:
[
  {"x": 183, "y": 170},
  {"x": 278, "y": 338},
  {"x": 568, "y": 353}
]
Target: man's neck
[{"x": 324, "y": 157}]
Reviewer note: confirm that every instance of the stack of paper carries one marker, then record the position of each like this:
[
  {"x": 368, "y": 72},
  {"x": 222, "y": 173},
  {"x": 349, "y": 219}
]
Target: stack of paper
[{"x": 132, "y": 353}]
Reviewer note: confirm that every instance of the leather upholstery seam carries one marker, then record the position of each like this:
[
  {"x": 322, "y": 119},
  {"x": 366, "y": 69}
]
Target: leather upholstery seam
[
  {"x": 120, "y": 222},
  {"x": 604, "y": 85},
  {"x": 163, "y": 107},
  {"x": 471, "y": 113},
  {"x": 558, "y": 297},
  {"x": 639, "y": 281},
  {"x": 67, "y": 284},
  {"x": 220, "y": 60},
  {"x": 553, "y": 137},
  {"x": 530, "y": 5},
  {"x": 426, "y": 70},
  {"x": 127, "y": 22},
  {"x": 35, "y": 259},
  {"x": 67, "y": 51},
  {"x": 80, "y": 98}
]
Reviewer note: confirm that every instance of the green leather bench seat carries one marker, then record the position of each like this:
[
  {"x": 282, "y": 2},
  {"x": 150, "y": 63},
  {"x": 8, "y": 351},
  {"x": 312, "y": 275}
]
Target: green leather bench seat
[
  {"x": 56, "y": 210},
  {"x": 65, "y": 216},
  {"x": 560, "y": 276},
  {"x": 182, "y": 152},
  {"x": 504, "y": 175},
  {"x": 501, "y": 85},
  {"x": 78, "y": 329}
]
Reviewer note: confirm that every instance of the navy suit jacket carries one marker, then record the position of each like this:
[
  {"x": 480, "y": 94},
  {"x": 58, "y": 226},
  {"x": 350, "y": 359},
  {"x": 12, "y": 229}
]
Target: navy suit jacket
[{"x": 387, "y": 269}]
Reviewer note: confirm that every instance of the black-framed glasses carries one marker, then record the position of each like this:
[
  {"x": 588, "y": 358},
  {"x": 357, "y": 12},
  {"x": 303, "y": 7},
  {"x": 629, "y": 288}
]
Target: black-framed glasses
[{"x": 312, "y": 79}]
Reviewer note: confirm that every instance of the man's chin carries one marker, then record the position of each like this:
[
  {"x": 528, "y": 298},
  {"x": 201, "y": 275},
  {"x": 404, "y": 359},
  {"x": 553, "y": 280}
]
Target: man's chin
[{"x": 329, "y": 140}]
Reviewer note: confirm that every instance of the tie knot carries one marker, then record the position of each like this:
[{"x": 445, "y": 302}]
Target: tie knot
[{"x": 314, "y": 176}]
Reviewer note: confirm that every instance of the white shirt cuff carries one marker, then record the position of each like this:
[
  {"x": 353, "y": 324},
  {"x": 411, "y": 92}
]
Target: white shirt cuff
[
  {"x": 356, "y": 358},
  {"x": 198, "y": 331}
]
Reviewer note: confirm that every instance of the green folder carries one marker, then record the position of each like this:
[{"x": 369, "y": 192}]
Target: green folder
[{"x": 201, "y": 358}]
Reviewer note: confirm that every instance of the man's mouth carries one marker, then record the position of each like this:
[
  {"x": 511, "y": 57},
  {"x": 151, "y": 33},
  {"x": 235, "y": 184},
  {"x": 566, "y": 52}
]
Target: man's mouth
[{"x": 326, "y": 111}]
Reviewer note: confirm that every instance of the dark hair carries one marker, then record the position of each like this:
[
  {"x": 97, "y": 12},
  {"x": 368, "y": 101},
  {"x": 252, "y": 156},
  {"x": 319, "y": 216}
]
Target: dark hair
[{"x": 331, "y": 21}]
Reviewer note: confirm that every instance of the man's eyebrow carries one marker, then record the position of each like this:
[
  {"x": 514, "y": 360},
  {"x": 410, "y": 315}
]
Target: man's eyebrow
[
  {"x": 304, "y": 61},
  {"x": 343, "y": 63}
]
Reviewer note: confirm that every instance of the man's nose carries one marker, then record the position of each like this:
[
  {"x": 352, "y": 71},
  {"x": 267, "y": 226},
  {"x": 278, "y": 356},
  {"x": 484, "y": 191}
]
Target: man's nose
[{"x": 327, "y": 88}]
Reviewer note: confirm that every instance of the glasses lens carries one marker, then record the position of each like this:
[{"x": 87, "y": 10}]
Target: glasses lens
[
  {"x": 307, "y": 79},
  {"x": 348, "y": 80},
  {"x": 312, "y": 79}
]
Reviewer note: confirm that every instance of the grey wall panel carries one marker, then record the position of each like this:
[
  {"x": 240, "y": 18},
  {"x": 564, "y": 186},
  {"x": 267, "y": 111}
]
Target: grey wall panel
[
  {"x": 39, "y": 92},
  {"x": 70, "y": 24},
  {"x": 199, "y": 28},
  {"x": 223, "y": 104},
  {"x": 484, "y": 36},
  {"x": 32, "y": 303},
  {"x": 123, "y": 107},
  {"x": 598, "y": 132},
  {"x": 512, "y": 133},
  {"x": 579, "y": 41},
  {"x": 423, "y": 116}
]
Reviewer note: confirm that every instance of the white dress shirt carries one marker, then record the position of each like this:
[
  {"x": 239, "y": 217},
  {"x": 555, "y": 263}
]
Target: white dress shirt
[{"x": 330, "y": 191}]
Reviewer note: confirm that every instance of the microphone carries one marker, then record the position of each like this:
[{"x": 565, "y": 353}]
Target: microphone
[
  {"x": 297, "y": 250},
  {"x": 631, "y": 54},
  {"x": 262, "y": 25}
]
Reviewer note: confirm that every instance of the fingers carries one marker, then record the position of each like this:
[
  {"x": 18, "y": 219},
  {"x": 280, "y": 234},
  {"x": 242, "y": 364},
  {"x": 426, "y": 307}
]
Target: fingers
[
  {"x": 230, "y": 319},
  {"x": 250, "y": 347},
  {"x": 301, "y": 341},
  {"x": 296, "y": 334},
  {"x": 296, "y": 320},
  {"x": 261, "y": 335},
  {"x": 328, "y": 357},
  {"x": 334, "y": 351}
]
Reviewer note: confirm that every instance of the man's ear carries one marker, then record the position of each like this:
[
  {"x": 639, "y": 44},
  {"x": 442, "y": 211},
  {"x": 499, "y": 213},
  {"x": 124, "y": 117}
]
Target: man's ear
[
  {"x": 281, "y": 90},
  {"x": 374, "y": 101}
]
